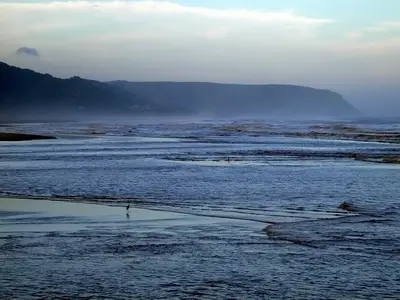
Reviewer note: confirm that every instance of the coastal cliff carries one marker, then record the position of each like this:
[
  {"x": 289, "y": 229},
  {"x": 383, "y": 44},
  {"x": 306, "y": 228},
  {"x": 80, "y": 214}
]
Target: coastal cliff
[{"x": 28, "y": 95}]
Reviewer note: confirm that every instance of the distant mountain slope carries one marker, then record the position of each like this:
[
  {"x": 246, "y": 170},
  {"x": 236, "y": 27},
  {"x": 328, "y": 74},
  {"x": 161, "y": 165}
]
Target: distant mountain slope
[
  {"x": 25, "y": 94},
  {"x": 28, "y": 95},
  {"x": 233, "y": 99}
]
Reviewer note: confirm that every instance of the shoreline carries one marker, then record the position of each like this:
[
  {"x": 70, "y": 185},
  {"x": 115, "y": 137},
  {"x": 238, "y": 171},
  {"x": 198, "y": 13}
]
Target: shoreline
[
  {"x": 59, "y": 212},
  {"x": 327, "y": 132},
  {"x": 18, "y": 215},
  {"x": 272, "y": 218},
  {"x": 118, "y": 205}
]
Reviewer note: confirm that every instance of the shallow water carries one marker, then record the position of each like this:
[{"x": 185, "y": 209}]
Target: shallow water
[{"x": 266, "y": 222}]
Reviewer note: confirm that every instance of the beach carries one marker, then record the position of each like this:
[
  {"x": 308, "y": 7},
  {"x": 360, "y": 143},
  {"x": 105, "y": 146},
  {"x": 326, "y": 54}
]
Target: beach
[
  {"x": 47, "y": 246},
  {"x": 64, "y": 250}
]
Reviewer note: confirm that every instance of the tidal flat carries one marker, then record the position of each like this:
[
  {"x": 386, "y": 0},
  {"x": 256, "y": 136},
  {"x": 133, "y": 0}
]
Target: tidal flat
[{"x": 214, "y": 213}]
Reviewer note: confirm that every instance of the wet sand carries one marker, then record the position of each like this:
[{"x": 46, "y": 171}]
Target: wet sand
[
  {"x": 28, "y": 215},
  {"x": 67, "y": 250}
]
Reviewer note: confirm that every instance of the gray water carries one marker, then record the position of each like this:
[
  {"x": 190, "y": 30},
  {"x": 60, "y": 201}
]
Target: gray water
[{"x": 282, "y": 237}]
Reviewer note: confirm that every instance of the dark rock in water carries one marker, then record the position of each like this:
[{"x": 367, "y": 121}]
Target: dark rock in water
[
  {"x": 14, "y": 137},
  {"x": 346, "y": 206}
]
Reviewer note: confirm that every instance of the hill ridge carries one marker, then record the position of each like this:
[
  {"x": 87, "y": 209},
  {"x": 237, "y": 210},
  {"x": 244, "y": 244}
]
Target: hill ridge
[{"x": 26, "y": 94}]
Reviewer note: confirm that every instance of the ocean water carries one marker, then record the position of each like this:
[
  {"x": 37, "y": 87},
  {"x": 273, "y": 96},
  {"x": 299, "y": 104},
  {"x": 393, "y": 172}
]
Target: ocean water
[{"x": 282, "y": 234}]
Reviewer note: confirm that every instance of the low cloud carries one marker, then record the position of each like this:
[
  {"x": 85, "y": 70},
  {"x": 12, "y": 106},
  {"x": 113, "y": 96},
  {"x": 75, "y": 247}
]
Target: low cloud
[
  {"x": 378, "y": 30},
  {"x": 164, "y": 8},
  {"x": 36, "y": 18},
  {"x": 27, "y": 51},
  {"x": 383, "y": 27}
]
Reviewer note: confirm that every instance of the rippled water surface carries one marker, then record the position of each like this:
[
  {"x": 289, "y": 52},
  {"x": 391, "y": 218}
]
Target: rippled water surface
[{"x": 231, "y": 210}]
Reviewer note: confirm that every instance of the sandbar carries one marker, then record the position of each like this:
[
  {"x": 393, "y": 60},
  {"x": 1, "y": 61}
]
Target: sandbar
[{"x": 32, "y": 215}]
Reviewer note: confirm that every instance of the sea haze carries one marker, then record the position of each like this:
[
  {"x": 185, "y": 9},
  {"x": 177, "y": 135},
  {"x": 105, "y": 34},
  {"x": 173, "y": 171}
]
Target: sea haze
[{"x": 256, "y": 206}]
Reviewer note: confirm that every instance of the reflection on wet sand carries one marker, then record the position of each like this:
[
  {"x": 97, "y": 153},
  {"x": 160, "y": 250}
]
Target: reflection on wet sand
[{"x": 45, "y": 245}]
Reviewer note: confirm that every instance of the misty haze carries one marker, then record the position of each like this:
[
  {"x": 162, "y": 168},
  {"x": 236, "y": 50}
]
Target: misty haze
[{"x": 199, "y": 149}]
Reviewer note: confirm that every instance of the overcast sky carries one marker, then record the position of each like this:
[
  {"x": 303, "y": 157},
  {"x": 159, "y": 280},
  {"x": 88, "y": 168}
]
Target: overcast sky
[{"x": 311, "y": 42}]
